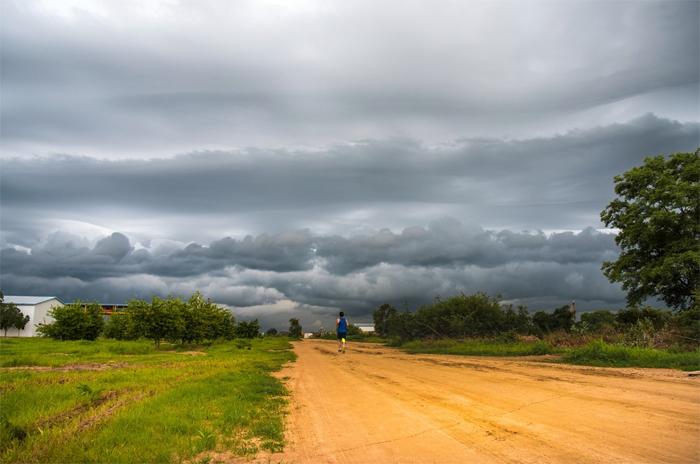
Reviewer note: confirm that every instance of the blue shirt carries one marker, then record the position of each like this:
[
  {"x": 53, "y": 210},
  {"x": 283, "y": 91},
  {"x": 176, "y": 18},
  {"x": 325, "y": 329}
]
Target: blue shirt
[{"x": 342, "y": 325}]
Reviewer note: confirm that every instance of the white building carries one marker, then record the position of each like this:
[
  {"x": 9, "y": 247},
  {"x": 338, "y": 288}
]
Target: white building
[
  {"x": 37, "y": 308},
  {"x": 366, "y": 328}
]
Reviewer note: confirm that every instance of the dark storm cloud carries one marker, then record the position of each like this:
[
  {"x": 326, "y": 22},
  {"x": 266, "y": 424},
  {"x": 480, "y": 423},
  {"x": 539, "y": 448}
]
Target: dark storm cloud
[
  {"x": 65, "y": 256},
  {"x": 448, "y": 243},
  {"x": 560, "y": 182},
  {"x": 445, "y": 243},
  {"x": 112, "y": 80},
  {"x": 357, "y": 274}
]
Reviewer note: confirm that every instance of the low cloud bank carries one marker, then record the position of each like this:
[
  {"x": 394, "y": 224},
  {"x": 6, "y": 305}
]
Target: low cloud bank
[{"x": 311, "y": 275}]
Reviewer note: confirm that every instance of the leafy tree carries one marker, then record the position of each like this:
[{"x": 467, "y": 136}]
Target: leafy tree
[
  {"x": 249, "y": 329},
  {"x": 658, "y": 215},
  {"x": 158, "y": 320},
  {"x": 191, "y": 321},
  {"x": 563, "y": 318},
  {"x": 11, "y": 316},
  {"x": 75, "y": 321},
  {"x": 295, "y": 330},
  {"x": 628, "y": 317},
  {"x": 403, "y": 325},
  {"x": 518, "y": 321},
  {"x": 120, "y": 326},
  {"x": 597, "y": 320},
  {"x": 272, "y": 331},
  {"x": 542, "y": 322},
  {"x": 460, "y": 316},
  {"x": 560, "y": 319},
  {"x": 382, "y": 317}
]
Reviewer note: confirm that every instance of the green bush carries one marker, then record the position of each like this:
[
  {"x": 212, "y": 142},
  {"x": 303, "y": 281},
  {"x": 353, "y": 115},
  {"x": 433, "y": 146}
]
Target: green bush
[
  {"x": 75, "y": 321},
  {"x": 193, "y": 321}
]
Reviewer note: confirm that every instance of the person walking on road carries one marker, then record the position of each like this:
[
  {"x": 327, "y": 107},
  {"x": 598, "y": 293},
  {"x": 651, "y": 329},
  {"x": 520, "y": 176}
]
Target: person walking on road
[{"x": 341, "y": 329}]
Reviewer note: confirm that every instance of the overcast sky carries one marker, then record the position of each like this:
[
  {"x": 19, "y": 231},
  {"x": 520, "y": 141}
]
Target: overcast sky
[{"x": 297, "y": 158}]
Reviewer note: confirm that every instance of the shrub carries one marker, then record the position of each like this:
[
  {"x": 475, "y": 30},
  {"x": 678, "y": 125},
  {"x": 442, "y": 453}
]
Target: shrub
[
  {"x": 599, "y": 353},
  {"x": 75, "y": 321}
]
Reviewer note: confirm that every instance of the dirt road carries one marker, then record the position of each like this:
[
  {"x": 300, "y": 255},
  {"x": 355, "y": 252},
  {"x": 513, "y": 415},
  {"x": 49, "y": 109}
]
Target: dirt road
[{"x": 378, "y": 405}]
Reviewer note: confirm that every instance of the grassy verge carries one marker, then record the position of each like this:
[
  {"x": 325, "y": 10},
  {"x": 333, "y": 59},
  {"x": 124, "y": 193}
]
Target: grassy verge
[
  {"x": 478, "y": 347},
  {"x": 596, "y": 353},
  {"x": 599, "y": 353},
  {"x": 109, "y": 401}
]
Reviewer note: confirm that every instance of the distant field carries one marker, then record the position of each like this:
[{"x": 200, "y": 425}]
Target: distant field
[{"x": 111, "y": 401}]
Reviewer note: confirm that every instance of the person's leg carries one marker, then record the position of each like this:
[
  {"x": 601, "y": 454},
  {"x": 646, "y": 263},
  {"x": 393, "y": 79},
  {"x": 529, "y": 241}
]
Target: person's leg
[{"x": 340, "y": 343}]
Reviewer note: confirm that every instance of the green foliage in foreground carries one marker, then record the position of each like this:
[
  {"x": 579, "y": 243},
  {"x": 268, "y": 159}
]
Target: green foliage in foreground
[
  {"x": 124, "y": 401},
  {"x": 599, "y": 353},
  {"x": 478, "y": 347}
]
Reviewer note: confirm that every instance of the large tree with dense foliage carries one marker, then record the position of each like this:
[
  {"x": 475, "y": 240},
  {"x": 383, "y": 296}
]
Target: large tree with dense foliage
[{"x": 658, "y": 214}]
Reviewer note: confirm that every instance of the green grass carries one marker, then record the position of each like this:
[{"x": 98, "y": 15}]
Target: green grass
[
  {"x": 599, "y": 353},
  {"x": 109, "y": 401},
  {"x": 478, "y": 347}
]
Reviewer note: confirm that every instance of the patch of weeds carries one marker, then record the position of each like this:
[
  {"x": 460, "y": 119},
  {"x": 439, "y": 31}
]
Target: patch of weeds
[
  {"x": 205, "y": 440},
  {"x": 599, "y": 353},
  {"x": 88, "y": 392}
]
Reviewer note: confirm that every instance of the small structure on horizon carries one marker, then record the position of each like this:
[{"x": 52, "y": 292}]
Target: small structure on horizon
[
  {"x": 365, "y": 327},
  {"x": 37, "y": 308}
]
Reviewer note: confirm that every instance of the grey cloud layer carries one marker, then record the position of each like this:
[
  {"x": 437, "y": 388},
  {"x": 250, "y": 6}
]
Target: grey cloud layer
[
  {"x": 559, "y": 182},
  {"x": 445, "y": 243},
  {"x": 213, "y": 74}
]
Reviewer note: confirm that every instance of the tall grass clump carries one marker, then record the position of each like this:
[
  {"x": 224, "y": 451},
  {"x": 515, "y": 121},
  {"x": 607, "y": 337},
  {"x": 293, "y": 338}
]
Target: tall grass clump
[
  {"x": 599, "y": 353},
  {"x": 477, "y": 347}
]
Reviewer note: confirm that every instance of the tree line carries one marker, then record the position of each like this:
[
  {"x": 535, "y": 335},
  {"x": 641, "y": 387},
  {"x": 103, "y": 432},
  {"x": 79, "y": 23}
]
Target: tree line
[
  {"x": 172, "y": 319},
  {"x": 482, "y": 316}
]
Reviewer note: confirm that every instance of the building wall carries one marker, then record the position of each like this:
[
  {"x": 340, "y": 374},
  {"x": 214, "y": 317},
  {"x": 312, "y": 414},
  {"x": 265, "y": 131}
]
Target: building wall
[
  {"x": 38, "y": 314},
  {"x": 41, "y": 314}
]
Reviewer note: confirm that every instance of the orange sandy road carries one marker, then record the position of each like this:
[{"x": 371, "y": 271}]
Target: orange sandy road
[{"x": 378, "y": 405}]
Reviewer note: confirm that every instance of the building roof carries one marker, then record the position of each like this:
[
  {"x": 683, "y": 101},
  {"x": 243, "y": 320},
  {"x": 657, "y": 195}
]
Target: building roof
[{"x": 28, "y": 300}]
